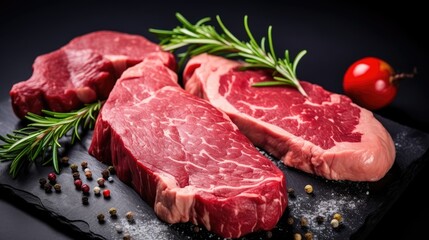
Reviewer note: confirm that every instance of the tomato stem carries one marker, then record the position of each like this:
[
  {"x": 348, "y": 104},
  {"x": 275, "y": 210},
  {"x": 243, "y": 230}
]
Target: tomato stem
[{"x": 399, "y": 76}]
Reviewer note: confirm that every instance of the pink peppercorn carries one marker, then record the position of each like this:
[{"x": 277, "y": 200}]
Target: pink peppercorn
[
  {"x": 78, "y": 184},
  {"x": 85, "y": 188}
]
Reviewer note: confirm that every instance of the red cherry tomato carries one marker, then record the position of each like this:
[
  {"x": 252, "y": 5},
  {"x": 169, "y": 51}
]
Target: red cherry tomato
[{"x": 369, "y": 82}]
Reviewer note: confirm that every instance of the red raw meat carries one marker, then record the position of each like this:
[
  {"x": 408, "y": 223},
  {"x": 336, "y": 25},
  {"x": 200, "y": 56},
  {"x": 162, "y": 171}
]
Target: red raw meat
[
  {"x": 82, "y": 71},
  {"x": 325, "y": 134},
  {"x": 184, "y": 157}
]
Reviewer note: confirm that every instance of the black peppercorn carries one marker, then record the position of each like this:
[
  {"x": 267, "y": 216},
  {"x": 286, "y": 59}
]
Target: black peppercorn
[
  {"x": 42, "y": 182},
  {"x": 48, "y": 187},
  {"x": 65, "y": 160},
  {"x": 85, "y": 200},
  {"x": 105, "y": 173},
  {"x": 320, "y": 219},
  {"x": 76, "y": 175},
  {"x": 100, "y": 218},
  {"x": 291, "y": 192}
]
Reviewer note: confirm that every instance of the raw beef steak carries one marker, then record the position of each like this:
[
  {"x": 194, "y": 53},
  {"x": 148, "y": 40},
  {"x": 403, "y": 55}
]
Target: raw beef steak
[
  {"x": 185, "y": 157},
  {"x": 81, "y": 72},
  {"x": 325, "y": 134}
]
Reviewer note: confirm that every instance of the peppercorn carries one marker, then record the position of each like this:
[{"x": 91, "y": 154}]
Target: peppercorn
[
  {"x": 65, "y": 160},
  {"x": 303, "y": 222},
  {"x": 111, "y": 169},
  {"x": 85, "y": 188},
  {"x": 57, "y": 187},
  {"x": 47, "y": 187},
  {"x": 290, "y": 220},
  {"x": 100, "y": 182},
  {"x": 113, "y": 212},
  {"x": 297, "y": 236},
  {"x": 105, "y": 173},
  {"x": 84, "y": 165},
  {"x": 335, "y": 223},
  {"x": 97, "y": 190},
  {"x": 127, "y": 236},
  {"x": 85, "y": 200},
  {"x": 106, "y": 193},
  {"x": 130, "y": 216},
  {"x": 110, "y": 179},
  {"x": 52, "y": 177},
  {"x": 338, "y": 217},
  {"x": 88, "y": 175},
  {"x": 291, "y": 192},
  {"x": 308, "y": 236},
  {"x": 320, "y": 219},
  {"x": 74, "y": 167},
  {"x": 195, "y": 228},
  {"x": 118, "y": 228},
  {"x": 78, "y": 184},
  {"x": 308, "y": 189},
  {"x": 100, "y": 218},
  {"x": 42, "y": 182},
  {"x": 76, "y": 175}
]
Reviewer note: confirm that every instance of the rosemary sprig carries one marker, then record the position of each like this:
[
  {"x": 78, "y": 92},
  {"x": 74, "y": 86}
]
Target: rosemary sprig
[
  {"x": 202, "y": 38},
  {"x": 42, "y": 135}
]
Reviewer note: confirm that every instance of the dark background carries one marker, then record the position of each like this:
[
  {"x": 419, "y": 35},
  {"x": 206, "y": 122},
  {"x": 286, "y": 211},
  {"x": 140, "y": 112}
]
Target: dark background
[{"x": 334, "y": 33}]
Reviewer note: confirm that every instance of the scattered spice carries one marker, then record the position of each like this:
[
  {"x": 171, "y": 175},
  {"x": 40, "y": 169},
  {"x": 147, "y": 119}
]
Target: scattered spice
[
  {"x": 118, "y": 228},
  {"x": 335, "y": 223},
  {"x": 57, "y": 187},
  {"x": 97, "y": 190},
  {"x": 297, "y": 236},
  {"x": 52, "y": 177},
  {"x": 113, "y": 212},
  {"x": 65, "y": 160},
  {"x": 291, "y": 192},
  {"x": 74, "y": 167},
  {"x": 47, "y": 187},
  {"x": 320, "y": 219},
  {"x": 100, "y": 182},
  {"x": 85, "y": 188},
  {"x": 42, "y": 182},
  {"x": 338, "y": 217},
  {"x": 308, "y": 236},
  {"x": 85, "y": 200},
  {"x": 127, "y": 236},
  {"x": 106, "y": 193},
  {"x": 84, "y": 165},
  {"x": 111, "y": 169},
  {"x": 195, "y": 229},
  {"x": 88, "y": 175},
  {"x": 100, "y": 218},
  {"x": 105, "y": 173},
  {"x": 290, "y": 221},
  {"x": 303, "y": 222},
  {"x": 76, "y": 175},
  {"x": 110, "y": 179},
  {"x": 130, "y": 216},
  {"x": 308, "y": 189},
  {"x": 78, "y": 184}
]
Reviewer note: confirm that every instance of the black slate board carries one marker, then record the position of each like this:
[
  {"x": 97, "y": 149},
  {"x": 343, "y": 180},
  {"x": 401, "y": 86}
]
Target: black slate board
[{"x": 362, "y": 204}]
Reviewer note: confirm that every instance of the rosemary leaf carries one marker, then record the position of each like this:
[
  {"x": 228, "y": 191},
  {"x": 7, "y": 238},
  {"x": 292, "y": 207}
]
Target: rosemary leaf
[
  {"x": 201, "y": 38},
  {"x": 41, "y": 137}
]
